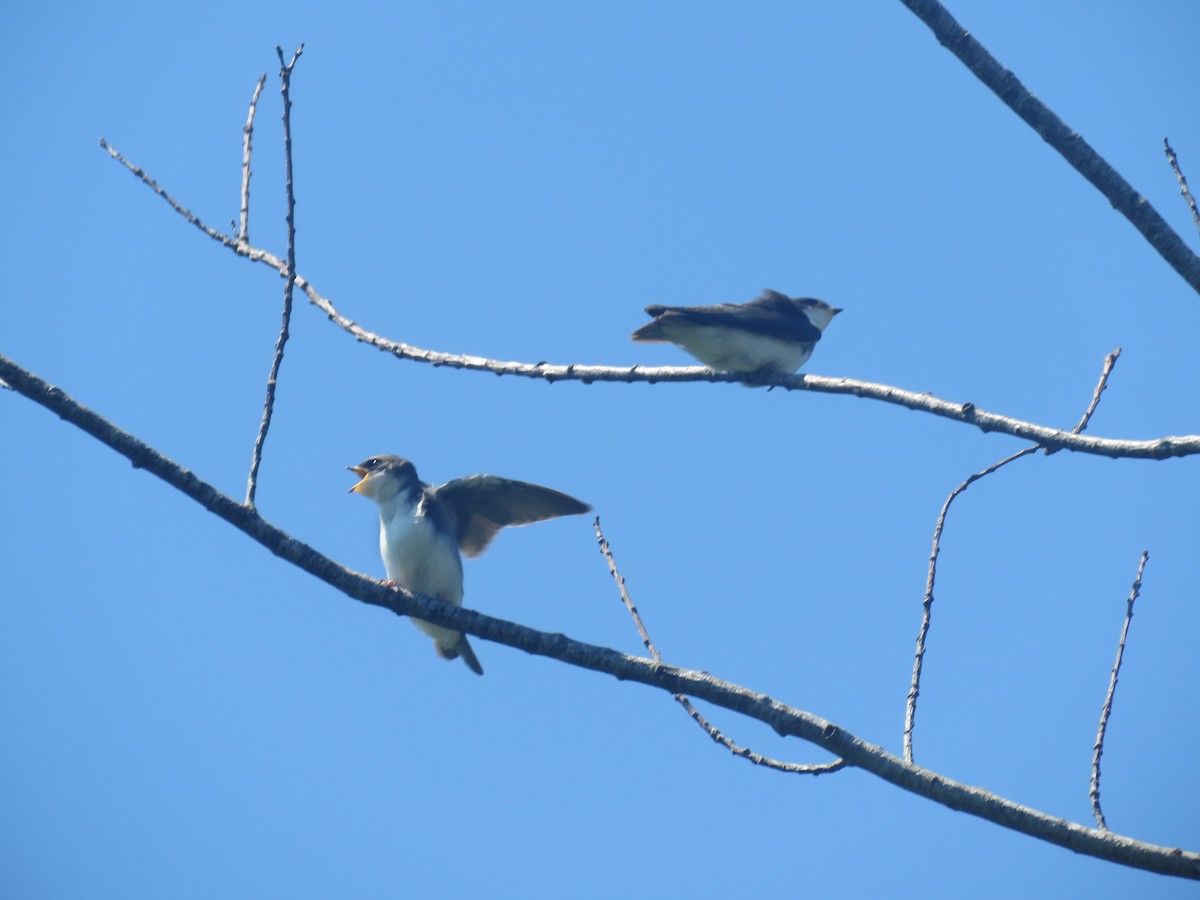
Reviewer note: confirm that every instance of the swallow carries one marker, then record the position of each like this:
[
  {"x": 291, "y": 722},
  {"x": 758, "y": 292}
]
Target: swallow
[
  {"x": 772, "y": 333},
  {"x": 424, "y": 530}
]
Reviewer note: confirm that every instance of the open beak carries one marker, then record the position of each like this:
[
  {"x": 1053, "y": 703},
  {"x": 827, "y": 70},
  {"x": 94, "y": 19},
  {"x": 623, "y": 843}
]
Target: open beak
[{"x": 362, "y": 474}]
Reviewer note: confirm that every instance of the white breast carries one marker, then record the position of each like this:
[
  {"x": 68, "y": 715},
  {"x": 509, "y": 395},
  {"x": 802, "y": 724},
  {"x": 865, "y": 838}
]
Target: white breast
[
  {"x": 418, "y": 558},
  {"x": 733, "y": 350}
]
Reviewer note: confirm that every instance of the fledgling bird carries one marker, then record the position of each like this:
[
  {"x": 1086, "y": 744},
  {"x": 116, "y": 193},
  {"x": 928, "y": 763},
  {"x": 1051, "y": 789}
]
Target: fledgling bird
[
  {"x": 773, "y": 332},
  {"x": 423, "y": 528}
]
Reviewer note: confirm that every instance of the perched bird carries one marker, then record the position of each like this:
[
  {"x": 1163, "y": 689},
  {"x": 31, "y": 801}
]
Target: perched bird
[
  {"x": 773, "y": 332},
  {"x": 423, "y": 528}
]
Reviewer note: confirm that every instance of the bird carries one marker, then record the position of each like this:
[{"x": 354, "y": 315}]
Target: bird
[
  {"x": 771, "y": 333},
  {"x": 425, "y": 530}
]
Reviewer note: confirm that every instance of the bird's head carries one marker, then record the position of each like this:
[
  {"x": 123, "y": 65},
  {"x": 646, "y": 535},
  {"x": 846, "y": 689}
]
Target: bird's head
[
  {"x": 819, "y": 312},
  {"x": 381, "y": 477}
]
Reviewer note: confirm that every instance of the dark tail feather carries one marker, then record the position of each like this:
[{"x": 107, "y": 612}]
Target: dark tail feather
[
  {"x": 651, "y": 331},
  {"x": 469, "y": 656},
  {"x": 463, "y": 649}
]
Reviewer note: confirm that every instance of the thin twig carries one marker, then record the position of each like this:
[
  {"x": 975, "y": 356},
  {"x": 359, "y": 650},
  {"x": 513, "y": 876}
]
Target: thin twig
[
  {"x": 757, "y": 758},
  {"x": 785, "y": 720},
  {"x": 1101, "y": 386},
  {"x": 285, "y": 77},
  {"x": 247, "y": 133},
  {"x": 1098, "y": 747},
  {"x": 1183, "y": 185},
  {"x": 1069, "y": 143},
  {"x": 606, "y": 552},
  {"x": 914, "y": 687},
  {"x": 141, "y": 173},
  {"x": 713, "y": 732}
]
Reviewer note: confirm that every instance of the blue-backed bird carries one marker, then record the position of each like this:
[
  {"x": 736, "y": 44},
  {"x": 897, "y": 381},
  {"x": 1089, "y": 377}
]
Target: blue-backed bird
[
  {"x": 772, "y": 333},
  {"x": 423, "y": 529}
]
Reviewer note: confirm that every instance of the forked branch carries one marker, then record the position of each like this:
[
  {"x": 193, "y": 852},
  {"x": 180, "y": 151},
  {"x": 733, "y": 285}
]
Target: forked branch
[{"x": 285, "y": 78}]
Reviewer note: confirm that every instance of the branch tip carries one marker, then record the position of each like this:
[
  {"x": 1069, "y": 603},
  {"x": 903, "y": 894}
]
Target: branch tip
[{"x": 1106, "y": 708}]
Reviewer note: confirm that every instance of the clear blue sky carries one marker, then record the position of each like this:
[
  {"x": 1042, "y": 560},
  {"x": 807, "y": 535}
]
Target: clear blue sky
[{"x": 184, "y": 715}]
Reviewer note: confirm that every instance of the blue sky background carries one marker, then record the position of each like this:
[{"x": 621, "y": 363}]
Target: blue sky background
[{"x": 184, "y": 715}]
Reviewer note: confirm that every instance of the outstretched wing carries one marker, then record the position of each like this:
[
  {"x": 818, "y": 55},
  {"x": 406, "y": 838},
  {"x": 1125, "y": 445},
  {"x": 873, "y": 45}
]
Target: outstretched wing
[{"x": 483, "y": 504}]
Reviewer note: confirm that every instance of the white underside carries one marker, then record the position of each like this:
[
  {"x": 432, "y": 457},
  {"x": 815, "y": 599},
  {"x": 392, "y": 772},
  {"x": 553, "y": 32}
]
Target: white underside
[
  {"x": 732, "y": 350},
  {"x": 420, "y": 560}
]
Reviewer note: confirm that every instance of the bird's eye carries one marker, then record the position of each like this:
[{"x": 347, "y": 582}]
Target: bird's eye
[{"x": 372, "y": 463}]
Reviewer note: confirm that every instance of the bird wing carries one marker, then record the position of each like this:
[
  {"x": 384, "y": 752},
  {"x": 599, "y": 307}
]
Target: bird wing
[
  {"x": 483, "y": 504},
  {"x": 771, "y": 313}
]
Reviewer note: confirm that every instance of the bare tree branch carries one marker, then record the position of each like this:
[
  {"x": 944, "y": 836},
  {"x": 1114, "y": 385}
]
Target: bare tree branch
[
  {"x": 713, "y": 732},
  {"x": 967, "y": 413},
  {"x": 1101, "y": 385},
  {"x": 1098, "y": 747},
  {"x": 285, "y": 78},
  {"x": 171, "y": 201},
  {"x": 914, "y": 689},
  {"x": 1183, "y": 185},
  {"x": 606, "y": 552},
  {"x": 247, "y": 133},
  {"x": 786, "y": 720},
  {"x": 1070, "y": 144}
]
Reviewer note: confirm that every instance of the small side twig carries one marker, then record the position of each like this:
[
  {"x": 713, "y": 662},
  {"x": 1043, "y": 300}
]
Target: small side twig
[
  {"x": 713, "y": 732},
  {"x": 1098, "y": 747},
  {"x": 1183, "y": 185},
  {"x": 285, "y": 77},
  {"x": 247, "y": 132},
  {"x": 1101, "y": 386},
  {"x": 147, "y": 180},
  {"x": 606, "y": 552},
  {"x": 914, "y": 688}
]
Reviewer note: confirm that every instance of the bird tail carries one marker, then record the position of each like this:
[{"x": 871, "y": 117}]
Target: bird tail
[
  {"x": 463, "y": 649},
  {"x": 469, "y": 656},
  {"x": 651, "y": 332}
]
